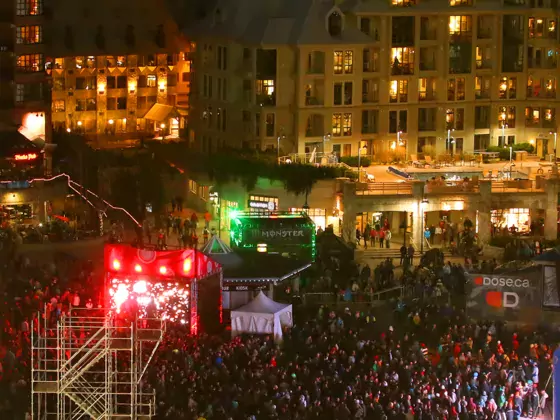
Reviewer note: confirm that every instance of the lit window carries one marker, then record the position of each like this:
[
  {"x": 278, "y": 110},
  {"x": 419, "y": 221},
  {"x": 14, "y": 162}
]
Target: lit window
[
  {"x": 29, "y": 7},
  {"x": 536, "y": 27},
  {"x": 29, "y": 34},
  {"x": 265, "y": 87},
  {"x": 506, "y": 116},
  {"x": 398, "y": 91},
  {"x": 459, "y": 25},
  {"x": 347, "y": 127},
  {"x": 58, "y": 106},
  {"x": 338, "y": 60},
  {"x": 337, "y": 125},
  {"x": 507, "y": 88},
  {"x": 151, "y": 80},
  {"x": 348, "y": 61},
  {"x": 30, "y": 63},
  {"x": 454, "y": 3},
  {"x": 402, "y": 60},
  {"x": 549, "y": 114},
  {"x": 393, "y": 87}
]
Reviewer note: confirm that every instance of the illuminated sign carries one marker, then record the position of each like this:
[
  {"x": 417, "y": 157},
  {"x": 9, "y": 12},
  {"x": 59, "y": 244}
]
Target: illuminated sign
[
  {"x": 262, "y": 205},
  {"x": 27, "y": 156}
]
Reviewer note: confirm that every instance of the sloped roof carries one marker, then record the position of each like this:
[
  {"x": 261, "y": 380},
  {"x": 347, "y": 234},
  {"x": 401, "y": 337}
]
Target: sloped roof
[
  {"x": 275, "y": 22},
  {"x": 12, "y": 141},
  {"x": 216, "y": 246},
  {"x": 264, "y": 305}
]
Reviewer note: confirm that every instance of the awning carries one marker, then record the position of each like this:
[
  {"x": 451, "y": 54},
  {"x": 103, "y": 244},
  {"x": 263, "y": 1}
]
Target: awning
[{"x": 160, "y": 112}]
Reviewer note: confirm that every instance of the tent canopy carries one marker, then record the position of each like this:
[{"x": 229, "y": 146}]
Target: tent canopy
[
  {"x": 263, "y": 304},
  {"x": 550, "y": 256},
  {"x": 261, "y": 316}
]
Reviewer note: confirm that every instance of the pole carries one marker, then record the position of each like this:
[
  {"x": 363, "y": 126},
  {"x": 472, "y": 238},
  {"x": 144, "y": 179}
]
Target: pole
[
  {"x": 278, "y": 148},
  {"x": 504, "y": 133},
  {"x": 422, "y": 226},
  {"x": 448, "y": 139},
  {"x": 555, "y": 138},
  {"x": 359, "y": 162}
]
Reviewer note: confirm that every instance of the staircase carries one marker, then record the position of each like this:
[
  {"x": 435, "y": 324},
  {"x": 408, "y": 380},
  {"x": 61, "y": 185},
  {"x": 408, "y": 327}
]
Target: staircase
[
  {"x": 97, "y": 377},
  {"x": 383, "y": 253}
]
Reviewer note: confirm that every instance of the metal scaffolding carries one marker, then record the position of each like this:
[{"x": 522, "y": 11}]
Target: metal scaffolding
[{"x": 91, "y": 365}]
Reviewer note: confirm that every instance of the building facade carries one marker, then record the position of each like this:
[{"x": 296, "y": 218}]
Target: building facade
[
  {"x": 390, "y": 77},
  {"x": 97, "y": 69}
]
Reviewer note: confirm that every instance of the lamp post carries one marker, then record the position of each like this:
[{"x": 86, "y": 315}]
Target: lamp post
[
  {"x": 359, "y": 162},
  {"x": 555, "y": 139},
  {"x": 504, "y": 126},
  {"x": 326, "y": 138},
  {"x": 280, "y": 137},
  {"x": 401, "y": 142},
  {"x": 423, "y": 204},
  {"x": 449, "y": 141}
]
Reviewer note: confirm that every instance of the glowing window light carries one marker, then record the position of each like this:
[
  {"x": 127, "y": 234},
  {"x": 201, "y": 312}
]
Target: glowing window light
[
  {"x": 116, "y": 265},
  {"x": 262, "y": 248},
  {"x": 187, "y": 266},
  {"x": 163, "y": 270},
  {"x": 140, "y": 287},
  {"x": 138, "y": 268}
]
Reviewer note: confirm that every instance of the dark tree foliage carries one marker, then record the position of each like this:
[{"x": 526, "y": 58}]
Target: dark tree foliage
[
  {"x": 124, "y": 191},
  {"x": 245, "y": 167}
]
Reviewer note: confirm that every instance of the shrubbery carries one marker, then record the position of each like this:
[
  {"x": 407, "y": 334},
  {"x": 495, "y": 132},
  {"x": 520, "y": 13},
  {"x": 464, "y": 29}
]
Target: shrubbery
[
  {"x": 365, "y": 161},
  {"x": 504, "y": 151}
]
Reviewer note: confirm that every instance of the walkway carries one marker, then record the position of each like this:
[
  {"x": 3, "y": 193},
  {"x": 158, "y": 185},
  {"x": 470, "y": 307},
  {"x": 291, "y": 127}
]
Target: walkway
[{"x": 381, "y": 174}]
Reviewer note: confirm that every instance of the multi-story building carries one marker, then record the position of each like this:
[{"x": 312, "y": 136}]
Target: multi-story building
[
  {"x": 389, "y": 76},
  {"x": 105, "y": 70},
  {"x": 28, "y": 50},
  {"x": 118, "y": 70}
]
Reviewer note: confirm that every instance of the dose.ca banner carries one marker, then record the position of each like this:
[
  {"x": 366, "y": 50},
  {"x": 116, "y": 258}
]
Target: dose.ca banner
[{"x": 509, "y": 297}]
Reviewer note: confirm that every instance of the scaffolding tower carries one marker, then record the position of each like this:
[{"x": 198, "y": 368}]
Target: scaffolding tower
[{"x": 91, "y": 364}]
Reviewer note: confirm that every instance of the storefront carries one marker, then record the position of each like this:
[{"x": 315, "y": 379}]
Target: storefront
[
  {"x": 503, "y": 219},
  {"x": 262, "y": 203},
  {"x": 321, "y": 217}
]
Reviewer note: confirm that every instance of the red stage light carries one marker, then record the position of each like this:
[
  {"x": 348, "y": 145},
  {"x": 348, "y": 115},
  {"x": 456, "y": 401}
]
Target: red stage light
[
  {"x": 116, "y": 265},
  {"x": 187, "y": 266},
  {"x": 138, "y": 268},
  {"x": 163, "y": 270}
]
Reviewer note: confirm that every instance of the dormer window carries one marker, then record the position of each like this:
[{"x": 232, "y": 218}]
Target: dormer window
[{"x": 335, "y": 24}]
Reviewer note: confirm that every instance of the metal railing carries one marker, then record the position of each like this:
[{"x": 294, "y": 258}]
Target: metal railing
[
  {"x": 384, "y": 188},
  {"x": 522, "y": 185},
  {"x": 452, "y": 187},
  {"x": 319, "y": 158},
  {"x": 322, "y": 298}
]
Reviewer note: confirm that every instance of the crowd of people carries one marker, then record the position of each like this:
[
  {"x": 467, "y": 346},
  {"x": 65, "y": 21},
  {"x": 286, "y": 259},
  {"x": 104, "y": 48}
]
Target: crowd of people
[
  {"x": 432, "y": 363},
  {"x": 422, "y": 358}
]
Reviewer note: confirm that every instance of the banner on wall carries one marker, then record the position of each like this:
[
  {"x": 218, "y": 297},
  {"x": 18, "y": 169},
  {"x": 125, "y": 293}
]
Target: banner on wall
[{"x": 507, "y": 296}]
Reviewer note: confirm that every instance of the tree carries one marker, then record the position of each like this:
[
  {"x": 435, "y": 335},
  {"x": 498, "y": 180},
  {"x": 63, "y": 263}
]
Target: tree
[{"x": 124, "y": 191}]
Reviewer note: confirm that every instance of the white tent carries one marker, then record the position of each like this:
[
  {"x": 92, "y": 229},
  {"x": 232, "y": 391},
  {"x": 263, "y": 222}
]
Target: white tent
[{"x": 261, "y": 316}]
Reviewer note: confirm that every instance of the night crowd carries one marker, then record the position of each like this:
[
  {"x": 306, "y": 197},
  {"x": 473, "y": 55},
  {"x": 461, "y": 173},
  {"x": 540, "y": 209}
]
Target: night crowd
[{"x": 422, "y": 360}]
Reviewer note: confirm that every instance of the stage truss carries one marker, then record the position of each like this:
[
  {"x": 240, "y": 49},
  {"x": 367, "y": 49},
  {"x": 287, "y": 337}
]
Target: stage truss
[{"x": 91, "y": 365}]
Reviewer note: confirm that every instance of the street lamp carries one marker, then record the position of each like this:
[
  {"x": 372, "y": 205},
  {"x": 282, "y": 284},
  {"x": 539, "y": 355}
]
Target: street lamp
[
  {"x": 450, "y": 141},
  {"x": 326, "y": 137},
  {"x": 401, "y": 142},
  {"x": 360, "y": 160},
  {"x": 555, "y": 138},
  {"x": 504, "y": 126},
  {"x": 423, "y": 204},
  {"x": 278, "y": 145}
]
